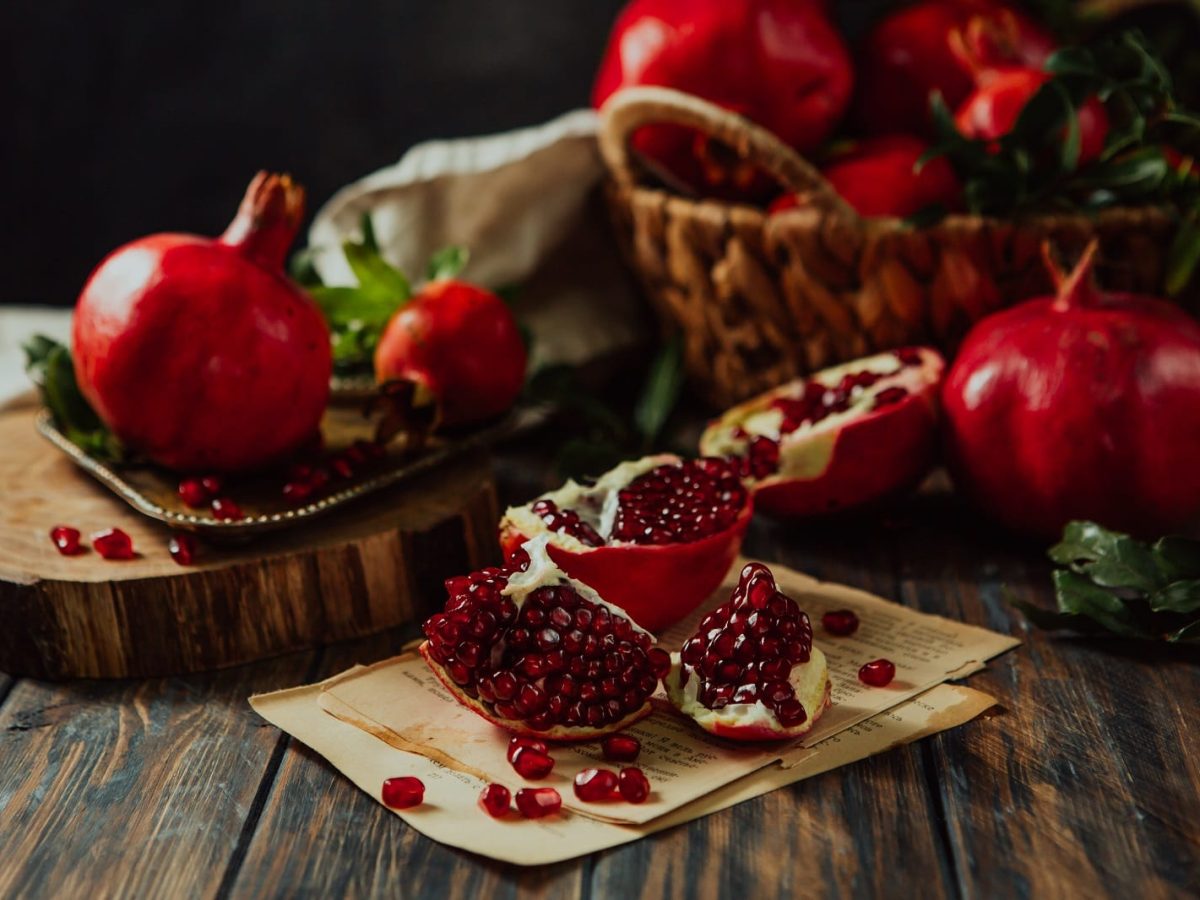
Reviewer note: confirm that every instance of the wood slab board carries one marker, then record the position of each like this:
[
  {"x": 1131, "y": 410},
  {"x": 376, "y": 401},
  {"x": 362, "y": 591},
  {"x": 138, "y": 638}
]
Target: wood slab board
[{"x": 373, "y": 565}]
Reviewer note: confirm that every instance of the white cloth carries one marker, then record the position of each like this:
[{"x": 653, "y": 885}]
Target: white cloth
[{"x": 17, "y": 324}]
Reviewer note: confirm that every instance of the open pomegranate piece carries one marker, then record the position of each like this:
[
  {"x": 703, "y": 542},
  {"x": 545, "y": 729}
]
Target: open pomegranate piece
[
  {"x": 751, "y": 672},
  {"x": 841, "y": 438},
  {"x": 653, "y": 536},
  {"x": 538, "y": 653}
]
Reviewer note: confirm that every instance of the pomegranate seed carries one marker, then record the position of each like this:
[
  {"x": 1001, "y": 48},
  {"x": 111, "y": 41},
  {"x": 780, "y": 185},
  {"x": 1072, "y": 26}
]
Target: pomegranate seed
[
  {"x": 889, "y": 396},
  {"x": 297, "y": 491},
  {"x": 567, "y": 521},
  {"x": 594, "y": 785},
  {"x": 193, "y": 493},
  {"x": 534, "y": 803},
  {"x": 403, "y": 792},
  {"x": 532, "y": 764},
  {"x": 633, "y": 785},
  {"x": 182, "y": 547},
  {"x": 213, "y": 484},
  {"x": 340, "y": 466},
  {"x": 495, "y": 800},
  {"x": 226, "y": 510},
  {"x": 909, "y": 356},
  {"x": 877, "y": 672},
  {"x": 621, "y": 747},
  {"x": 680, "y": 502},
  {"x": 660, "y": 661},
  {"x": 66, "y": 539},
  {"x": 521, "y": 741},
  {"x": 113, "y": 544},
  {"x": 840, "y": 622}
]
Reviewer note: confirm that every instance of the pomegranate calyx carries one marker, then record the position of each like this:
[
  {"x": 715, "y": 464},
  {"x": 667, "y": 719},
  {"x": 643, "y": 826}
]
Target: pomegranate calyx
[
  {"x": 1076, "y": 288},
  {"x": 267, "y": 219}
]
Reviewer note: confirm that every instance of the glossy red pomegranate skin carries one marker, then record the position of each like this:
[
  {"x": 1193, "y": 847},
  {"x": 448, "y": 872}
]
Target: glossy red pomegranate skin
[
  {"x": 992, "y": 109},
  {"x": 780, "y": 63},
  {"x": 878, "y": 177},
  {"x": 461, "y": 345},
  {"x": 200, "y": 353},
  {"x": 1085, "y": 406},
  {"x": 938, "y": 45}
]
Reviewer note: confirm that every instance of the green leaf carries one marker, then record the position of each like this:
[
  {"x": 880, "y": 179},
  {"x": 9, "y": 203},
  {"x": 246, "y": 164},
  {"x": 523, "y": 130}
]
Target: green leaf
[
  {"x": 1188, "y": 634},
  {"x": 367, "y": 227},
  {"x": 1131, "y": 564},
  {"x": 1183, "y": 257},
  {"x": 342, "y": 306},
  {"x": 302, "y": 269},
  {"x": 49, "y": 366},
  {"x": 1084, "y": 541},
  {"x": 447, "y": 263},
  {"x": 1179, "y": 597},
  {"x": 376, "y": 276},
  {"x": 661, "y": 393},
  {"x": 1178, "y": 557},
  {"x": 1078, "y": 596}
]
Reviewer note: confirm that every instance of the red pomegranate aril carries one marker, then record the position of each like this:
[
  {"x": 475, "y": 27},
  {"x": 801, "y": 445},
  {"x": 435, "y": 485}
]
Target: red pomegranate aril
[
  {"x": 536, "y": 803},
  {"x": 113, "y": 544},
  {"x": 889, "y": 396},
  {"x": 193, "y": 493},
  {"x": 621, "y": 747},
  {"x": 532, "y": 764},
  {"x": 226, "y": 510},
  {"x": 633, "y": 785},
  {"x": 567, "y": 521},
  {"x": 403, "y": 792},
  {"x": 182, "y": 547},
  {"x": 840, "y": 622},
  {"x": 495, "y": 800},
  {"x": 341, "y": 467},
  {"x": 297, "y": 491},
  {"x": 213, "y": 484},
  {"x": 877, "y": 672},
  {"x": 679, "y": 503},
  {"x": 595, "y": 785},
  {"x": 66, "y": 539}
]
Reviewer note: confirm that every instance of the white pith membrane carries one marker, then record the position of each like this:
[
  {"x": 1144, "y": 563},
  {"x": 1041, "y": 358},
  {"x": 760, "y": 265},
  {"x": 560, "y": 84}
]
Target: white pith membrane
[
  {"x": 809, "y": 680},
  {"x": 596, "y": 505}
]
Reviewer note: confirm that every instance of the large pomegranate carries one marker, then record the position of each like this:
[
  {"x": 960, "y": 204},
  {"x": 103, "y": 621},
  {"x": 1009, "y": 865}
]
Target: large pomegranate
[
  {"x": 1085, "y": 405},
  {"x": 655, "y": 536},
  {"x": 200, "y": 353},
  {"x": 841, "y": 438},
  {"x": 751, "y": 672},
  {"x": 538, "y": 653},
  {"x": 880, "y": 176}
]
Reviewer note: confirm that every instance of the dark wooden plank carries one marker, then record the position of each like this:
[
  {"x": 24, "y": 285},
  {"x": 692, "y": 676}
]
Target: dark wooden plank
[{"x": 132, "y": 788}]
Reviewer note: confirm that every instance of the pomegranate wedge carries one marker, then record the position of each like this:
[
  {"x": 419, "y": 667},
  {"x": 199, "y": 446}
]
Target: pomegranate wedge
[
  {"x": 541, "y": 654},
  {"x": 841, "y": 438},
  {"x": 653, "y": 536}
]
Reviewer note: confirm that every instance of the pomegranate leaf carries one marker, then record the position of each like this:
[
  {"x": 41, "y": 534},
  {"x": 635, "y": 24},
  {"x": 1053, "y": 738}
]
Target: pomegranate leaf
[
  {"x": 661, "y": 393},
  {"x": 1180, "y": 597},
  {"x": 447, "y": 263},
  {"x": 1187, "y": 634},
  {"x": 49, "y": 366}
]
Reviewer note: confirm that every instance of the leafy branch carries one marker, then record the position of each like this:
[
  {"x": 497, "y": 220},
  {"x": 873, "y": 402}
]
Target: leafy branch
[{"x": 50, "y": 368}]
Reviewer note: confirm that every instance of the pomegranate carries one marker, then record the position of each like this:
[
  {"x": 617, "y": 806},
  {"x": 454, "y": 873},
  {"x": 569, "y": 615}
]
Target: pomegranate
[
  {"x": 877, "y": 672},
  {"x": 939, "y": 45},
  {"x": 460, "y": 349},
  {"x": 654, "y": 536},
  {"x": 495, "y": 800},
  {"x": 780, "y": 63},
  {"x": 879, "y": 177},
  {"x": 751, "y": 672},
  {"x": 841, "y": 438},
  {"x": 66, "y": 539},
  {"x": 540, "y": 654},
  {"x": 404, "y": 792},
  {"x": 1085, "y": 405},
  {"x": 991, "y": 111},
  {"x": 200, "y": 353}
]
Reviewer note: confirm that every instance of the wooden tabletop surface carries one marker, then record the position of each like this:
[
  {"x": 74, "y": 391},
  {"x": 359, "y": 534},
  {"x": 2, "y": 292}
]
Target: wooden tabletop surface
[{"x": 1086, "y": 783}]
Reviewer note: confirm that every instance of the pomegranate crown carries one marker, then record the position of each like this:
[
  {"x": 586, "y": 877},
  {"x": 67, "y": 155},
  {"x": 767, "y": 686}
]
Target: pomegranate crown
[
  {"x": 1077, "y": 287},
  {"x": 267, "y": 219}
]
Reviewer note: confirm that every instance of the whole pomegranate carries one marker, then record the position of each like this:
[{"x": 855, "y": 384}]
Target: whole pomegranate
[
  {"x": 460, "y": 346},
  {"x": 200, "y": 353},
  {"x": 1080, "y": 406},
  {"x": 879, "y": 177},
  {"x": 938, "y": 45},
  {"x": 780, "y": 63}
]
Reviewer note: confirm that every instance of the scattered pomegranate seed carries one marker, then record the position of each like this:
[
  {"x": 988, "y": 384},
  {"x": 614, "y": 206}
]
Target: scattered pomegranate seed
[
  {"x": 193, "y": 493},
  {"x": 341, "y": 467},
  {"x": 534, "y": 803},
  {"x": 633, "y": 785},
  {"x": 531, "y": 763},
  {"x": 660, "y": 661},
  {"x": 594, "y": 785},
  {"x": 495, "y": 800},
  {"x": 877, "y": 672},
  {"x": 226, "y": 510},
  {"x": 113, "y": 544},
  {"x": 66, "y": 539},
  {"x": 297, "y": 491},
  {"x": 182, "y": 548},
  {"x": 403, "y": 792},
  {"x": 318, "y": 479},
  {"x": 621, "y": 747},
  {"x": 520, "y": 741},
  {"x": 213, "y": 484},
  {"x": 840, "y": 622}
]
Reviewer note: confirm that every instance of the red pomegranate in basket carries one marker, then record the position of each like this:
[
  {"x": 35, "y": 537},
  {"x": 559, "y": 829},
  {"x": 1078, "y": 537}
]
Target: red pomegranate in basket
[
  {"x": 201, "y": 353},
  {"x": 1085, "y": 405}
]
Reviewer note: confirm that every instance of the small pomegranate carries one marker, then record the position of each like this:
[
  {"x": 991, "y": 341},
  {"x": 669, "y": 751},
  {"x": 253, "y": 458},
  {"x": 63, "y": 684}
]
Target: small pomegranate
[
  {"x": 1085, "y": 405},
  {"x": 621, "y": 747},
  {"x": 495, "y": 800},
  {"x": 877, "y": 672},
  {"x": 66, "y": 540},
  {"x": 751, "y": 672},
  {"x": 654, "y": 536},
  {"x": 844, "y": 437},
  {"x": 633, "y": 785},
  {"x": 404, "y": 792},
  {"x": 540, "y": 654},
  {"x": 596, "y": 785},
  {"x": 879, "y": 177},
  {"x": 460, "y": 348},
  {"x": 200, "y": 353},
  {"x": 113, "y": 543},
  {"x": 537, "y": 803}
]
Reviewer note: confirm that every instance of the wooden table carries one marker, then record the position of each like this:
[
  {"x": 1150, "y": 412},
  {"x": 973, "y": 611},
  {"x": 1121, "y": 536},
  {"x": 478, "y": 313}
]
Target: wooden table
[{"x": 1087, "y": 783}]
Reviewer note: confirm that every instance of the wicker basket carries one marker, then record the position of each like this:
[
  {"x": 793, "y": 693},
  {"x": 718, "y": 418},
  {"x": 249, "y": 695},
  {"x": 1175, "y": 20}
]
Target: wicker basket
[{"x": 760, "y": 299}]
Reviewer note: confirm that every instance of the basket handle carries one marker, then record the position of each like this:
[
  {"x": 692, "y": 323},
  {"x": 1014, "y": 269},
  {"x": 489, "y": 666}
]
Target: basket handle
[{"x": 631, "y": 108}]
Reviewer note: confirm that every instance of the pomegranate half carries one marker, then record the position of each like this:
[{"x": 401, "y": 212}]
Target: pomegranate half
[
  {"x": 751, "y": 672},
  {"x": 841, "y": 438},
  {"x": 653, "y": 536},
  {"x": 538, "y": 653},
  {"x": 201, "y": 353}
]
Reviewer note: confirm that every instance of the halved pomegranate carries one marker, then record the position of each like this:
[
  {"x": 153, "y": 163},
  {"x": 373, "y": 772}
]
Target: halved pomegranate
[
  {"x": 653, "y": 536},
  {"x": 751, "y": 672},
  {"x": 541, "y": 654},
  {"x": 841, "y": 438}
]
